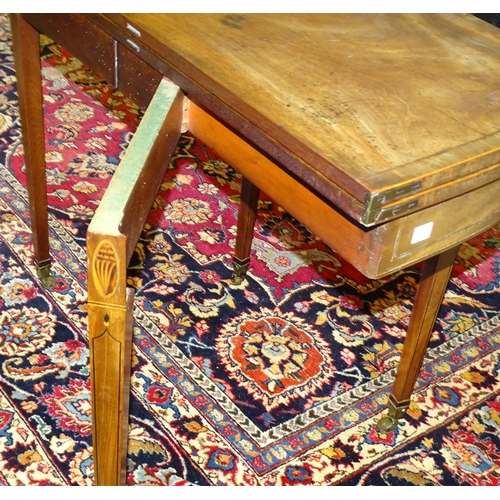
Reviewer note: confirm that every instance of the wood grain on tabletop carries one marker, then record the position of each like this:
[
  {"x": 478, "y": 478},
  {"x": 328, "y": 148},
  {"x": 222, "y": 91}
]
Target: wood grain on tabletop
[{"x": 370, "y": 93}]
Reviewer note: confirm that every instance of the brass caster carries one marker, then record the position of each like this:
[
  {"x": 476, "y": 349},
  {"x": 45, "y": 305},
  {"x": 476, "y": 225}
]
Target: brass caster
[
  {"x": 396, "y": 410},
  {"x": 387, "y": 424},
  {"x": 240, "y": 268},
  {"x": 48, "y": 281},
  {"x": 237, "y": 280}
]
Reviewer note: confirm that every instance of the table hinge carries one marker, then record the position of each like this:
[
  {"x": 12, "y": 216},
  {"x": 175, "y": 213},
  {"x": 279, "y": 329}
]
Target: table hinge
[
  {"x": 378, "y": 200},
  {"x": 374, "y": 202},
  {"x": 383, "y": 214}
]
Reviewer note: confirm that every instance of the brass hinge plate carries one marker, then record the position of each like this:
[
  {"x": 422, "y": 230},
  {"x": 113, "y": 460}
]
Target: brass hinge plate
[
  {"x": 374, "y": 211},
  {"x": 390, "y": 212}
]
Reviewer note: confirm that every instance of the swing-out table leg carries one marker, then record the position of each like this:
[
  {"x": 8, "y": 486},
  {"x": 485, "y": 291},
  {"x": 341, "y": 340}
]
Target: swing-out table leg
[{"x": 111, "y": 239}]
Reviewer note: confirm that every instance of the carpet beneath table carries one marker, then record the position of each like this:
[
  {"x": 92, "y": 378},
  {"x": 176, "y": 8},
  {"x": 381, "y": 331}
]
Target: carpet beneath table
[{"x": 277, "y": 381}]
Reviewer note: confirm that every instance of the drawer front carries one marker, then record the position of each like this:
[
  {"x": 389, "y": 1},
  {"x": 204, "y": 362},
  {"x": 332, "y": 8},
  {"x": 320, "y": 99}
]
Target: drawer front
[
  {"x": 107, "y": 58},
  {"x": 82, "y": 38}
]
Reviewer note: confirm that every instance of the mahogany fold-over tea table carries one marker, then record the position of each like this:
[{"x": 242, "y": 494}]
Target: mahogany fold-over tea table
[{"x": 381, "y": 133}]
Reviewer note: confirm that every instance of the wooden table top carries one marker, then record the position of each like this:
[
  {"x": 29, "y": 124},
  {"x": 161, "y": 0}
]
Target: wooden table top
[
  {"x": 382, "y": 115},
  {"x": 372, "y": 102}
]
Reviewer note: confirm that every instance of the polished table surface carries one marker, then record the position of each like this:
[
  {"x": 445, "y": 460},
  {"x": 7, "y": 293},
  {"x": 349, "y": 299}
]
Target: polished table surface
[
  {"x": 367, "y": 101},
  {"x": 379, "y": 132}
]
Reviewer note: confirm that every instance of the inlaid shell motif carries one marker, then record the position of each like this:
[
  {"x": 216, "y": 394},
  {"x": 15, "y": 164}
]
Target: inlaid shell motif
[{"x": 105, "y": 267}]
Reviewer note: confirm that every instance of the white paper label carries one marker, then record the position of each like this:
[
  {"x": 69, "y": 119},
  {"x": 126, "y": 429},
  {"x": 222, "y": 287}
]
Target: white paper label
[{"x": 421, "y": 233}]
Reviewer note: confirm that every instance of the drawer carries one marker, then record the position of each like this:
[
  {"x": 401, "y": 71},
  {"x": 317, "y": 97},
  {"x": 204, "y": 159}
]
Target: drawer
[
  {"x": 107, "y": 58},
  {"x": 82, "y": 38}
]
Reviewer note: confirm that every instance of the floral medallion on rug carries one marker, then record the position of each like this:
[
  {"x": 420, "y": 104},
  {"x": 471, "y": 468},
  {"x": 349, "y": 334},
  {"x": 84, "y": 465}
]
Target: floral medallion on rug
[{"x": 277, "y": 381}]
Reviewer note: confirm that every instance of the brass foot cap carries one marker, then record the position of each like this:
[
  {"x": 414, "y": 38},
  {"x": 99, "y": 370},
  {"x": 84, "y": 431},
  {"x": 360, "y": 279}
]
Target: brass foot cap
[
  {"x": 387, "y": 424},
  {"x": 48, "y": 281}
]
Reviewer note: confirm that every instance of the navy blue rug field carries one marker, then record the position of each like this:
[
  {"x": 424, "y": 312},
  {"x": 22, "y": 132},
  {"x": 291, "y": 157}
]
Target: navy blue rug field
[{"x": 277, "y": 381}]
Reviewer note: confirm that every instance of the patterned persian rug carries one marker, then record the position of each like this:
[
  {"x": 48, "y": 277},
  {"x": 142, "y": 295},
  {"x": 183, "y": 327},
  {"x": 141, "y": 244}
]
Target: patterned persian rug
[{"x": 277, "y": 381}]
